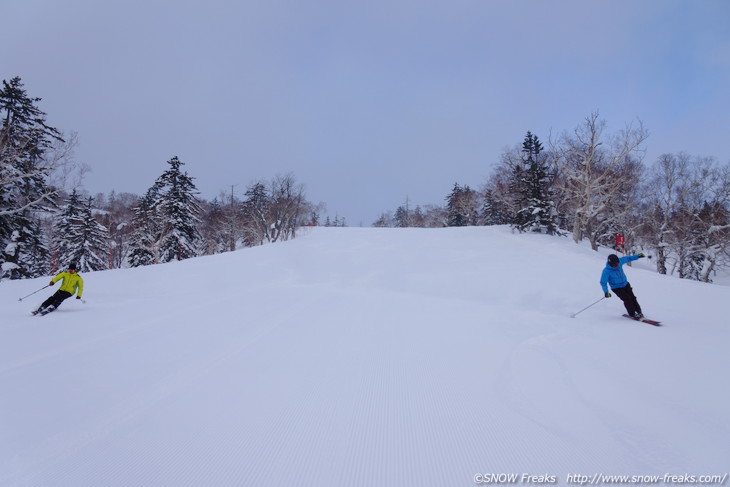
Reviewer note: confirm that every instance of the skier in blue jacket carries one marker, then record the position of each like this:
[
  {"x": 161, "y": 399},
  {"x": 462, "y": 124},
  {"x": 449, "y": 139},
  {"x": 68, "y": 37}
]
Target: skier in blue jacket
[{"x": 613, "y": 274}]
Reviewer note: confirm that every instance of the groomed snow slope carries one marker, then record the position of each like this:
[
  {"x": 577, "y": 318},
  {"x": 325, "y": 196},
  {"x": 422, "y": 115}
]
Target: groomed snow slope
[{"x": 364, "y": 357}]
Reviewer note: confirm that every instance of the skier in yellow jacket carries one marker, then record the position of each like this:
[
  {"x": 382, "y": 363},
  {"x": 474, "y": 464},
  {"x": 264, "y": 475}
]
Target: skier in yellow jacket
[{"x": 72, "y": 283}]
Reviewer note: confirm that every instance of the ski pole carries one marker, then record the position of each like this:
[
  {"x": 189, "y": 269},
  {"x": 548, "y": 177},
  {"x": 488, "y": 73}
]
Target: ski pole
[
  {"x": 31, "y": 294},
  {"x": 592, "y": 304}
]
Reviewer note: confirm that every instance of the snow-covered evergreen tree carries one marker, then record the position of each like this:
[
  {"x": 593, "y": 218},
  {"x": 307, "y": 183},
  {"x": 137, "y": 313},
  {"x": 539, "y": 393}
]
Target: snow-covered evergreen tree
[
  {"x": 94, "y": 245},
  {"x": 180, "y": 211},
  {"x": 68, "y": 230},
  {"x": 147, "y": 231},
  {"x": 532, "y": 182},
  {"x": 402, "y": 218},
  {"x": 255, "y": 215},
  {"x": 384, "y": 221},
  {"x": 461, "y": 205},
  {"x": 80, "y": 238},
  {"x": 34, "y": 254},
  {"x": 25, "y": 255},
  {"x": 494, "y": 211},
  {"x": 9, "y": 269},
  {"x": 24, "y": 139}
]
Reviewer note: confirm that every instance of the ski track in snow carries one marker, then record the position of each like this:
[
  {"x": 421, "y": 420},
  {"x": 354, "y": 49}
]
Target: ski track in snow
[{"x": 362, "y": 357}]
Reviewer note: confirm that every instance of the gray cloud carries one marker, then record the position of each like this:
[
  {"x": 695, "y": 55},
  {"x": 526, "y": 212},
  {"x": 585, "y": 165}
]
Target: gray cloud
[{"x": 366, "y": 102}]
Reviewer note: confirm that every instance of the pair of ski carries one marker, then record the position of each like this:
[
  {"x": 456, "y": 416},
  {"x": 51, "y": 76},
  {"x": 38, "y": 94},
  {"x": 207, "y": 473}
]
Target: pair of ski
[
  {"x": 43, "y": 311},
  {"x": 645, "y": 320}
]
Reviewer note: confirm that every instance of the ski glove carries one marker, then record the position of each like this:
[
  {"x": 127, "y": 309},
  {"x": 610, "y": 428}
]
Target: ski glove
[
  {"x": 78, "y": 297},
  {"x": 607, "y": 295},
  {"x": 641, "y": 255},
  {"x": 51, "y": 283}
]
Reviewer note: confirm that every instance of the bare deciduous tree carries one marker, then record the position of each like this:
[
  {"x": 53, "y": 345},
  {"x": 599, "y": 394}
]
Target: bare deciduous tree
[
  {"x": 668, "y": 186},
  {"x": 275, "y": 212},
  {"x": 595, "y": 171}
]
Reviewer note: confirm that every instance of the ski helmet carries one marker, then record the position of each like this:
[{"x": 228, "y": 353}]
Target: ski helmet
[
  {"x": 613, "y": 260},
  {"x": 72, "y": 266}
]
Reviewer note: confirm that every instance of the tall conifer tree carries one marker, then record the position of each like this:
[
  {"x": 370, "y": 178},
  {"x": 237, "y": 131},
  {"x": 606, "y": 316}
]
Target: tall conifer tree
[
  {"x": 461, "y": 205},
  {"x": 68, "y": 230},
  {"x": 24, "y": 139},
  {"x": 25, "y": 255},
  {"x": 147, "y": 231},
  {"x": 532, "y": 182},
  {"x": 93, "y": 254},
  {"x": 180, "y": 211},
  {"x": 80, "y": 238}
]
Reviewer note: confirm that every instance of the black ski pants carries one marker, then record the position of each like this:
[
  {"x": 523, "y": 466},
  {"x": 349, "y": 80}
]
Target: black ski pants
[
  {"x": 627, "y": 296},
  {"x": 55, "y": 300}
]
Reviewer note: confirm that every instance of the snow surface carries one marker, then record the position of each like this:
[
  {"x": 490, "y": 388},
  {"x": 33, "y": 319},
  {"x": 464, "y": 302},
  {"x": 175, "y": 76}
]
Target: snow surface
[{"x": 364, "y": 357}]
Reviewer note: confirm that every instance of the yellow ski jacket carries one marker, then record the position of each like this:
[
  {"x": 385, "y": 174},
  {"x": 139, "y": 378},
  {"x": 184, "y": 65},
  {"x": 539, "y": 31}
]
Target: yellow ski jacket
[{"x": 71, "y": 282}]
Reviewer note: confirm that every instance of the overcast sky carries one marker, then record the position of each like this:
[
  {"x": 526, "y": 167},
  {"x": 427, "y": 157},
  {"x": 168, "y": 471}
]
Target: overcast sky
[{"x": 365, "y": 102}]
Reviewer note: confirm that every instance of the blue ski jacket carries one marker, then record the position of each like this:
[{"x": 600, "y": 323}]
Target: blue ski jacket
[{"x": 615, "y": 275}]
